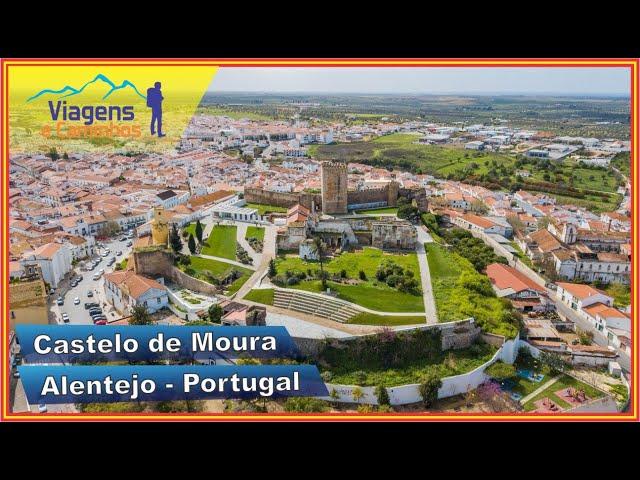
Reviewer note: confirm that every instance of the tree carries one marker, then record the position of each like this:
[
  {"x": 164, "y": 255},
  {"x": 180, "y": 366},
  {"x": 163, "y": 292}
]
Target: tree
[
  {"x": 305, "y": 405},
  {"x": 174, "y": 239},
  {"x": 140, "y": 316},
  {"x": 215, "y": 313},
  {"x": 199, "y": 231},
  {"x": 428, "y": 389},
  {"x": 192, "y": 244},
  {"x": 357, "y": 394},
  {"x": 53, "y": 154},
  {"x": 110, "y": 228},
  {"x": 65, "y": 156},
  {"x": 382, "y": 395},
  {"x": 272, "y": 268},
  {"x": 556, "y": 362},
  {"x": 319, "y": 249},
  {"x": 409, "y": 212},
  {"x": 478, "y": 206}
]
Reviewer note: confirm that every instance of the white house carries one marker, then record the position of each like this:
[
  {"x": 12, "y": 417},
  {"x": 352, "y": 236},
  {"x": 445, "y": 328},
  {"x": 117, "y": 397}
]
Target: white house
[
  {"x": 169, "y": 198},
  {"x": 126, "y": 289},
  {"x": 604, "y": 317},
  {"x": 54, "y": 260},
  {"x": 578, "y": 296}
]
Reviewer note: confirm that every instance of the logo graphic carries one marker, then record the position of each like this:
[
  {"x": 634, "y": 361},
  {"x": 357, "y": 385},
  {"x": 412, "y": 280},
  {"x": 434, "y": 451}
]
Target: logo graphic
[
  {"x": 154, "y": 101},
  {"x": 104, "y": 107},
  {"x": 69, "y": 91}
]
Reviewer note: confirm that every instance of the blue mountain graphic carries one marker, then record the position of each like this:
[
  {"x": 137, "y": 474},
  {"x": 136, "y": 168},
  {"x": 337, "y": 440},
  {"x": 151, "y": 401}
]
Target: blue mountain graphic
[{"x": 75, "y": 91}]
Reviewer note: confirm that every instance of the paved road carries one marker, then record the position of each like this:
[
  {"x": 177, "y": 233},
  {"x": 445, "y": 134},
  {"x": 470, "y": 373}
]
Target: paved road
[
  {"x": 425, "y": 276},
  {"x": 240, "y": 238},
  {"x": 268, "y": 252},
  {"x": 77, "y": 313},
  {"x": 624, "y": 360}
]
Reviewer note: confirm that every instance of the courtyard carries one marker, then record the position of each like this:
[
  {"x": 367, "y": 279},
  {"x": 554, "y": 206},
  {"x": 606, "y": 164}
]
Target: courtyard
[{"x": 357, "y": 274}]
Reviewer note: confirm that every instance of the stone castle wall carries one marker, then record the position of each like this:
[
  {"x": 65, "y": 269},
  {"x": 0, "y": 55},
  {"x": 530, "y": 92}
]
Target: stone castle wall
[
  {"x": 155, "y": 263},
  {"x": 334, "y": 187},
  {"x": 279, "y": 199}
]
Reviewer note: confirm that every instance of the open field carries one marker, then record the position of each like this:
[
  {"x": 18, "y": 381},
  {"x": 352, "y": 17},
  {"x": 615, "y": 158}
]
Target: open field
[
  {"x": 491, "y": 169},
  {"x": 460, "y": 292},
  {"x": 221, "y": 242},
  {"x": 348, "y": 371},
  {"x": 369, "y": 293},
  {"x": 263, "y": 209}
]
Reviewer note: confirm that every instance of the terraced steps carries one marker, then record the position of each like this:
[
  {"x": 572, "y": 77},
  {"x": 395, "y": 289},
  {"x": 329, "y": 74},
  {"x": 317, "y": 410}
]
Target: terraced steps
[{"x": 326, "y": 307}]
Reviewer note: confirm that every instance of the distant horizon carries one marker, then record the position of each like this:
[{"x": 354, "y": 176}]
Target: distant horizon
[
  {"x": 418, "y": 94},
  {"x": 479, "y": 81}
]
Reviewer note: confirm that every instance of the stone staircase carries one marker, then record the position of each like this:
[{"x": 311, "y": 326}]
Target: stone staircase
[{"x": 326, "y": 307}]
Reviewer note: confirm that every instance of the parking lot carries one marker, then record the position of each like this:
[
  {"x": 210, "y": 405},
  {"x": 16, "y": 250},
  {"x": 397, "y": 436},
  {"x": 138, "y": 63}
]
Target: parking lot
[{"x": 78, "y": 315}]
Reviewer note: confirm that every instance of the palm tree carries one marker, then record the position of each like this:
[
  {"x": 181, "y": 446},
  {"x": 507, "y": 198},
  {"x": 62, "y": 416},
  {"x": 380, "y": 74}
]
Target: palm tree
[{"x": 318, "y": 248}]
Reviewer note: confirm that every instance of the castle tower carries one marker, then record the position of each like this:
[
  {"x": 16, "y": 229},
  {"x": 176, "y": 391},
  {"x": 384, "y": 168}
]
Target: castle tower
[
  {"x": 334, "y": 187},
  {"x": 159, "y": 227},
  {"x": 393, "y": 189}
]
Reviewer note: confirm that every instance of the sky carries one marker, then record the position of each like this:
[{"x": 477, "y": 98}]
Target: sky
[{"x": 425, "y": 80}]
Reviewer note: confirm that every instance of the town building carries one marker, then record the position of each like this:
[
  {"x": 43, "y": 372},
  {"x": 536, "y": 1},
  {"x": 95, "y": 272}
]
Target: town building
[
  {"x": 54, "y": 260},
  {"x": 126, "y": 289},
  {"x": 525, "y": 294}
]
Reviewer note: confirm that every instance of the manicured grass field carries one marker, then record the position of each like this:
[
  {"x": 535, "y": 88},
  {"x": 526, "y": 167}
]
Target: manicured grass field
[
  {"x": 261, "y": 295},
  {"x": 564, "y": 381},
  {"x": 221, "y": 242},
  {"x": 366, "y": 318},
  {"x": 377, "y": 211},
  {"x": 452, "y": 362},
  {"x": 263, "y": 208},
  {"x": 369, "y": 293},
  {"x": 255, "y": 232},
  {"x": 218, "y": 268}
]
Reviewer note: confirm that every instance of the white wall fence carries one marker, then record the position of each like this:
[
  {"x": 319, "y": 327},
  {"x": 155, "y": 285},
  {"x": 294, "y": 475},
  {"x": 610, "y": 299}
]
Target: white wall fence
[{"x": 406, "y": 394}]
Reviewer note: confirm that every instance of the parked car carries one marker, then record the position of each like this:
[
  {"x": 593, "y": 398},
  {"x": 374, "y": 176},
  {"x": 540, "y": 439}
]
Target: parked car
[
  {"x": 118, "y": 253},
  {"x": 129, "y": 243},
  {"x": 80, "y": 278},
  {"x": 60, "y": 301},
  {"x": 100, "y": 322},
  {"x": 76, "y": 301},
  {"x": 95, "y": 311},
  {"x": 101, "y": 318},
  {"x": 90, "y": 293},
  {"x": 96, "y": 276},
  {"x": 16, "y": 373},
  {"x": 42, "y": 408},
  {"x": 89, "y": 305}
]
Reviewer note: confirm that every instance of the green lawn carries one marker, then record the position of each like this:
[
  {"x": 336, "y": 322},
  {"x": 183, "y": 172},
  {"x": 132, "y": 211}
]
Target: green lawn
[
  {"x": 217, "y": 268},
  {"x": 263, "y": 208},
  {"x": 366, "y": 318},
  {"x": 460, "y": 292},
  {"x": 453, "y": 362},
  {"x": 377, "y": 211},
  {"x": 564, "y": 381},
  {"x": 261, "y": 295},
  {"x": 255, "y": 232},
  {"x": 369, "y": 293},
  {"x": 221, "y": 242}
]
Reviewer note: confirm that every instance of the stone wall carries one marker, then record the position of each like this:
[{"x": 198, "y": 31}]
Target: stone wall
[
  {"x": 279, "y": 199},
  {"x": 334, "y": 187},
  {"x": 155, "y": 263}
]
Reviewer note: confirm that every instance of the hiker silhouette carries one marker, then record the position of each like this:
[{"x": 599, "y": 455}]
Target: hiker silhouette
[{"x": 154, "y": 101}]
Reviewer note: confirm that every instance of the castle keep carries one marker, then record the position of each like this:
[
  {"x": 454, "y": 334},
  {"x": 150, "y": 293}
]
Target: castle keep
[{"x": 334, "y": 188}]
